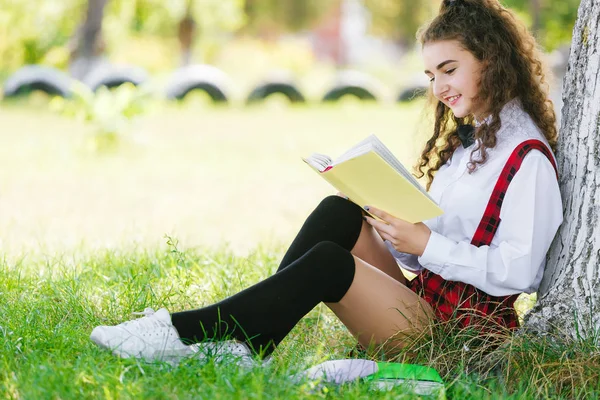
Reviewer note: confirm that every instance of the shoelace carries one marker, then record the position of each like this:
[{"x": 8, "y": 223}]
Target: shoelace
[
  {"x": 145, "y": 322},
  {"x": 146, "y": 313}
]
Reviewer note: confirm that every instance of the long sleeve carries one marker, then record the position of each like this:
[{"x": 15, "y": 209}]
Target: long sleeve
[{"x": 514, "y": 262}]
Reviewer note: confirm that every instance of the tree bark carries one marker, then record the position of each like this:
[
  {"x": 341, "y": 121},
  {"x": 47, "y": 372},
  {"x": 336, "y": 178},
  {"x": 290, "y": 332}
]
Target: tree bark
[
  {"x": 88, "y": 42},
  {"x": 569, "y": 296}
]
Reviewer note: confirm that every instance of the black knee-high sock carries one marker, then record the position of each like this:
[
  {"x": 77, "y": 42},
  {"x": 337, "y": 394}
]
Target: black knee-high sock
[
  {"x": 335, "y": 220},
  {"x": 264, "y": 314}
]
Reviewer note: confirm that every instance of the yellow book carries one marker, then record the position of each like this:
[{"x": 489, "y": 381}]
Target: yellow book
[{"x": 369, "y": 174}]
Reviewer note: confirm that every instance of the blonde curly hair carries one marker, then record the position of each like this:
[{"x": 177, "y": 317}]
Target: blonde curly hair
[{"x": 512, "y": 68}]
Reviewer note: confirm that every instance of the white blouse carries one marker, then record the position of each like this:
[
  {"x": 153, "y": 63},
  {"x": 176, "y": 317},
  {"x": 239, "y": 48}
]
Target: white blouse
[{"x": 530, "y": 215}]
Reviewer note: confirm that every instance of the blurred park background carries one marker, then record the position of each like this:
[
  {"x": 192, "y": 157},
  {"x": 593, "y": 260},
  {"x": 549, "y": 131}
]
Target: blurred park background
[{"x": 122, "y": 121}]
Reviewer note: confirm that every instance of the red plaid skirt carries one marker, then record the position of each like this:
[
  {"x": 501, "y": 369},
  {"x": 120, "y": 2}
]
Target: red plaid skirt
[{"x": 465, "y": 304}]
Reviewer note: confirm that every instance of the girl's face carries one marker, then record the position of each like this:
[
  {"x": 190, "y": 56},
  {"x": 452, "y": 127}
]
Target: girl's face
[{"x": 454, "y": 73}]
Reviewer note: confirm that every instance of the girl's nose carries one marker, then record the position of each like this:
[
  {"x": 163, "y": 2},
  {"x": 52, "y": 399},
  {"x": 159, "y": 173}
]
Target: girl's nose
[{"x": 439, "y": 88}]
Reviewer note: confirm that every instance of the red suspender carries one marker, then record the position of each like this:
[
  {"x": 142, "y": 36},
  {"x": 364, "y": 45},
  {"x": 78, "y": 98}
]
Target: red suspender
[{"x": 491, "y": 217}]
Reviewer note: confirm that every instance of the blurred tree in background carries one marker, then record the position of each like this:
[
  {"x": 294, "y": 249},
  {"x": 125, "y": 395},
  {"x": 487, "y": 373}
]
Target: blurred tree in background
[
  {"x": 268, "y": 17},
  {"x": 34, "y": 31},
  {"x": 400, "y": 19},
  {"x": 158, "y": 17},
  {"x": 88, "y": 44},
  {"x": 551, "y": 20},
  {"x": 212, "y": 20},
  {"x": 45, "y": 31}
]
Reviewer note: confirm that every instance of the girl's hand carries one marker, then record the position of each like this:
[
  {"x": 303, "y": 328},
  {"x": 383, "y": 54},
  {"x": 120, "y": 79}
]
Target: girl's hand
[{"x": 404, "y": 236}]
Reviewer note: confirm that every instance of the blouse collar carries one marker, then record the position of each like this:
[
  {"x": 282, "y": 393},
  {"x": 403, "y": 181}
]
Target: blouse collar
[{"x": 508, "y": 109}]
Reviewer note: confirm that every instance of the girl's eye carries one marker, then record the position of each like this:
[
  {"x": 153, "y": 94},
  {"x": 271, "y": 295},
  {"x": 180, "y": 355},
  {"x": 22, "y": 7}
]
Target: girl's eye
[{"x": 449, "y": 72}]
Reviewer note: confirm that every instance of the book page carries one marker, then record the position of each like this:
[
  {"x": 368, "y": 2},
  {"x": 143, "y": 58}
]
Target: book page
[
  {"x": 358, "y": 149},
  {"x": 372, "y": 143},
  {"x": 320, "y": 162},
  {"x": 387, "y": 155}
]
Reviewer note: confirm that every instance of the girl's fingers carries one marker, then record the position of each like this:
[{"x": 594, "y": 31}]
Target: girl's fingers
[
  {"x": 380, "y": 214},
  {"x": 389, "y": 218},
  {"x": 384, "y": 230},
  {"x": 379, "y": 226},
  {"x": 387, "y": 237}
]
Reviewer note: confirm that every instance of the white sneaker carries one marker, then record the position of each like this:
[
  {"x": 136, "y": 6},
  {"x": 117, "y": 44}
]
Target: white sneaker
[
  {"x": 228, "y": 350},
  {"x": 152, "y": 338}
]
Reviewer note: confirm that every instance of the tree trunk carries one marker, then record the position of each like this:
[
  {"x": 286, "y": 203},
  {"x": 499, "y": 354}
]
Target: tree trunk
[
  {"x": 88, "y": 43},
  {"x": 186, "y": 32},
  {"x": 569, "y": 301}
]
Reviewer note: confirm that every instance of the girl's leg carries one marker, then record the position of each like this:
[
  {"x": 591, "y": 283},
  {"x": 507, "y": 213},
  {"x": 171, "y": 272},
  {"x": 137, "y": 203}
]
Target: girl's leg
[
  {"x": 372, "y": 304},
  {"x": 376, "y": 308},
  {"x": 340, "y": 221},
  {"x": 371, "y": 249},
  {"x": 335, "y": 220},
  {"x": 263, "y": 314}
]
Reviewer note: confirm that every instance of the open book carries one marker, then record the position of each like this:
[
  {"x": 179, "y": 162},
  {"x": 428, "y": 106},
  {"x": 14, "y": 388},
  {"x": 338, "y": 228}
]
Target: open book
[{"x": 369, "y": 174}]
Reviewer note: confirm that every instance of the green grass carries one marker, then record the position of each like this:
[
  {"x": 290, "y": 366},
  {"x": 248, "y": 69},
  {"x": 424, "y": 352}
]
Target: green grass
[
  {"x": 50, "y": 305},
  {"x": 83, "y": 243}
]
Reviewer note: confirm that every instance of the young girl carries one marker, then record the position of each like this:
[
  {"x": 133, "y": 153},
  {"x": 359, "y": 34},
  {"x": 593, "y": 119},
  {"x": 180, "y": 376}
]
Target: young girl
[{"x": 490, "y": 167}]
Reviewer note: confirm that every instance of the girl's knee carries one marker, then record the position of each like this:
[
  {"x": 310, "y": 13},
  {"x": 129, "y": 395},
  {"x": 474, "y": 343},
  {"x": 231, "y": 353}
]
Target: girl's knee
[
  {"x": 339, "y": 206},
  {"x": 331, "y": 256},
  {"x": 334, "y": 267},
  {"x": 332, "y": 201}
]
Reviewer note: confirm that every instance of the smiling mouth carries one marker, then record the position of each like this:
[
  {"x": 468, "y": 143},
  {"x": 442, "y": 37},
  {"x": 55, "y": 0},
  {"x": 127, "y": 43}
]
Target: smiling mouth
[{"x": 453, "y": 99}]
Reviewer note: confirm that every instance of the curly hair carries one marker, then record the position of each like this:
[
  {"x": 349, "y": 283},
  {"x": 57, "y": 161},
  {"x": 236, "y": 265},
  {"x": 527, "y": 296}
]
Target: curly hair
[{"x": 512, "y": 67}]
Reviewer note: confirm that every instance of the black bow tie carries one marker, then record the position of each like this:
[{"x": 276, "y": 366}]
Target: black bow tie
[{"x": 466, "y": 134}]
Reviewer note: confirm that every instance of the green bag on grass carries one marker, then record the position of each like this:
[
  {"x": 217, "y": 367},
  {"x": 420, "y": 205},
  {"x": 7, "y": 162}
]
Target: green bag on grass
[
  {"x": 409, "y": 378},
  {"x": 417, "y": 378}
]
